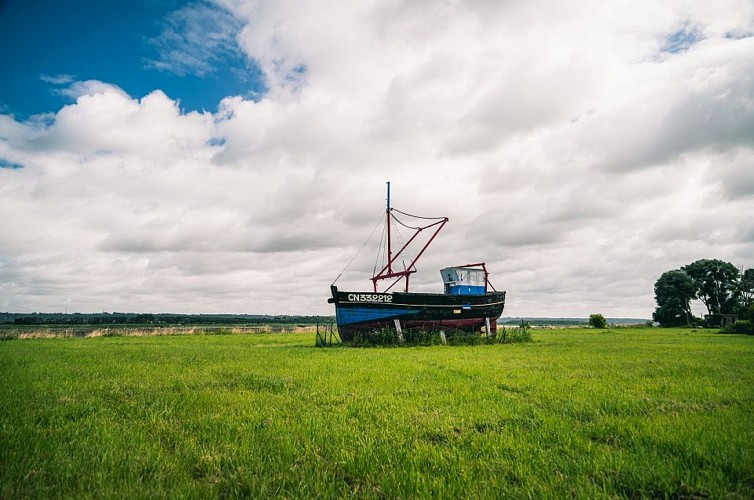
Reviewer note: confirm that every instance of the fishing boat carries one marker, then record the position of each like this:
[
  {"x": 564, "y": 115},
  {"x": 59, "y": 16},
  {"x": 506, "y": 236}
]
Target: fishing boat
[{"x": 468, "y": 303}]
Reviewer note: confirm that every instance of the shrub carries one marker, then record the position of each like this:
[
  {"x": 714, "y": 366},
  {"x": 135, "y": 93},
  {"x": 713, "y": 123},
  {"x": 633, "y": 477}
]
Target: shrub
[
  {"x": 597, "y": 321},
  {"x": 740, "y": 326},
  {"x": 749, "y": 314}
]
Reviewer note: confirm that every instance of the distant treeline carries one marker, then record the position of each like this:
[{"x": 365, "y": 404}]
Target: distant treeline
[{"x": 116, "y": 318}]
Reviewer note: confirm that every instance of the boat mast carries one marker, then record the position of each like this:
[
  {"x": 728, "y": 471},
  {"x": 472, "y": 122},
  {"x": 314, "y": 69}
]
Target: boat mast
[
  {"x": 387, "y": 271},
  {"x": 389, "y": 245}
]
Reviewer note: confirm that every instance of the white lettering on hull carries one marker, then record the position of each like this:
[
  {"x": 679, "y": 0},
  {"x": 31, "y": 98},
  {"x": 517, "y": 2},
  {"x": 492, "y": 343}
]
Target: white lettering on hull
[{"x": 370, "y": 297}]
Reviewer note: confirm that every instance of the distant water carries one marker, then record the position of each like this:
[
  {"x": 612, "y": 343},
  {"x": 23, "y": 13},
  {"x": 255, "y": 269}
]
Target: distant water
[{"x": 568, "y": 321}]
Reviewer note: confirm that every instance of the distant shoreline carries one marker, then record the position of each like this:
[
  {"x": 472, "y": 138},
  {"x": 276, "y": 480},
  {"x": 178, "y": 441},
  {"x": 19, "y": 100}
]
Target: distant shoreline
[
  {"x": 545, "y": 321},
  {"x": 166, "y": 319}
]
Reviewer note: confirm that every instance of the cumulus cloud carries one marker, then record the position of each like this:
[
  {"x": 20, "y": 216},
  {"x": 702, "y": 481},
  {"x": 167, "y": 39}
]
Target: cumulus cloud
[
  {"x": 581, "y": 149},
  {"x": 106, "y": 120}
]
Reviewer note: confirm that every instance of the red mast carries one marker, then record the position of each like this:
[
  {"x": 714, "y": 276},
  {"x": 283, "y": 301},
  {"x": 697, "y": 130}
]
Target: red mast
[{"x": 387, "y": 271}]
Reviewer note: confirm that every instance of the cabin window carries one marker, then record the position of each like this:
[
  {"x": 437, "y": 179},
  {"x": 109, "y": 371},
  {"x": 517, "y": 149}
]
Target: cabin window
[{"x": 463, "y": 280}]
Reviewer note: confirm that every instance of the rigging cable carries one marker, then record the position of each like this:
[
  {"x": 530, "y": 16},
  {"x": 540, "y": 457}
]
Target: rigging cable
[
  {"x": 438, "y": 219},
  {"x": 381, "y": 252},
  {"x": 416, "y": 216},
  {"x": 400, "y": 242},
  {"x": 358, "y": 251}
]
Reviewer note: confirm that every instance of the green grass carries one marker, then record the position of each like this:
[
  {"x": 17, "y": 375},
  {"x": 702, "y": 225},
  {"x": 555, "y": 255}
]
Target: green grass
[{"x": 586, "y": 413}]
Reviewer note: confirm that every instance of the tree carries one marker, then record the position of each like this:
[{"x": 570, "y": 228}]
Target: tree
[
  {"x": 673, "y": 293},
  {"x": 715, "y": 283},
  {"x": 597, "y": 321},
  {"x": 745, "y": 291}
]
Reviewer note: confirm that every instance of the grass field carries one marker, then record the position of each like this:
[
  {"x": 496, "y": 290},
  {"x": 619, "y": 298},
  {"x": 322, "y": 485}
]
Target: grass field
[{"x": 585, "y": 413}]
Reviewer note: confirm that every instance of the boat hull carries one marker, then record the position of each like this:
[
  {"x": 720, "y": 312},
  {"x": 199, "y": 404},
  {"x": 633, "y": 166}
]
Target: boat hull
[{"x": 361, "y": 312}]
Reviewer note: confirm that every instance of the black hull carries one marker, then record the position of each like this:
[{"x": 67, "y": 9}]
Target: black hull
[{"x": 362, "y": 312}]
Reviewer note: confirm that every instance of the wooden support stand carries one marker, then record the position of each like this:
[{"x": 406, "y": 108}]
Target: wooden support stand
[{"x": 399, "y": 330}]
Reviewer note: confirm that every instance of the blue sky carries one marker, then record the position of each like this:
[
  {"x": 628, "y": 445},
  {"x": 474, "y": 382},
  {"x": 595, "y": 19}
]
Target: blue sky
[
  {"x": 47, "y": 44},
  {"x": 230, "y": 156}
]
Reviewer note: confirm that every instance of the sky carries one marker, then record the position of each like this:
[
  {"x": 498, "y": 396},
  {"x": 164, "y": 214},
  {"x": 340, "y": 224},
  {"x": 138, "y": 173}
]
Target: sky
[{"x": 230, "y": 156}]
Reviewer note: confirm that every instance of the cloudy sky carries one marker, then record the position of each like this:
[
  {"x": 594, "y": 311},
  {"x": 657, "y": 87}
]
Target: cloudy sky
[{"x": 231, "y": 155}]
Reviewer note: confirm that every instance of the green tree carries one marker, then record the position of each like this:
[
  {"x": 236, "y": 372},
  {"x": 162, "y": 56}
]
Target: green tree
[
  {"x": 597, "y": 321},
  {"x": 716, "y": 282},
  {"x": 673, "y": 293},
  {"x": 745, "y": 291}
]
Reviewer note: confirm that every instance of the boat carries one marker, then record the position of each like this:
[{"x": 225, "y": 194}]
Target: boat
[{"x": 469, "y": 302}]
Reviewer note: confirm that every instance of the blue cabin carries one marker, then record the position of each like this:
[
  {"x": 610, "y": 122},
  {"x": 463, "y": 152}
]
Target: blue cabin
[{"x": 463, "y": 280}]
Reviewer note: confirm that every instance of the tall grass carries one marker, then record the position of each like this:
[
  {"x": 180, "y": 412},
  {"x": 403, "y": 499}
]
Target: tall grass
[
  {"x": 412, "y": 337},
  {"x": 620, "y": 413}
]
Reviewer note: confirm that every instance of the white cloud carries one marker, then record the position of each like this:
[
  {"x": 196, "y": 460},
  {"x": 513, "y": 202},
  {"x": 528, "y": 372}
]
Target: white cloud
[
  {"x": 195, "y": 40},
  {"x": 58, "y": 79},
  {"x": 569, "y": 151},
  {"x": 105, "y": 120}
]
